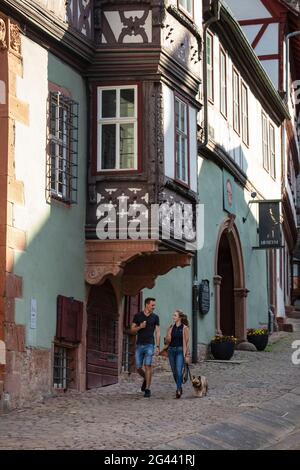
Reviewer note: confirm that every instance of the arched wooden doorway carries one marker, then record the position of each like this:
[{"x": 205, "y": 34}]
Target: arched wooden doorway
[
  {"x": 229, "y": 281},
  {"x": 225, "y": 271},
  {"x": 102, "y": 336}
]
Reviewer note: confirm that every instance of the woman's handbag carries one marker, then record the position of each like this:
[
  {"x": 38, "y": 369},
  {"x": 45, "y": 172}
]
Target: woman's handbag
[{"x": 186, "y": 373}]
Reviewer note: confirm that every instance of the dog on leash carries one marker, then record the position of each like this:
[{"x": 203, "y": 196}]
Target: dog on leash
[{"x": 200, "y": 386}]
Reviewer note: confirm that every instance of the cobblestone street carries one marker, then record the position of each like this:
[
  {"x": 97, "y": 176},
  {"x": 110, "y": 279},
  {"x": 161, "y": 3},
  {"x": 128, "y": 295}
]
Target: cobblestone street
[{"x": 118, "y": 417}]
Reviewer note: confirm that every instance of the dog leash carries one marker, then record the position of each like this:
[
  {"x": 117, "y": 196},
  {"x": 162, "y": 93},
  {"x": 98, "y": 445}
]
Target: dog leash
[{"x": 189, "y": 372}]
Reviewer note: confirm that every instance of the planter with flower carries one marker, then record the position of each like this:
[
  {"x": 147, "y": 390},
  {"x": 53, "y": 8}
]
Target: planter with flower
[
  {"x": 259, "y": 337},
  {"x": 222, "y": 347}
]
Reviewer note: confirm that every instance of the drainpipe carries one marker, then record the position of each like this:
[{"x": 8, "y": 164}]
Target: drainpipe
[{"x": 215, "y": 8}]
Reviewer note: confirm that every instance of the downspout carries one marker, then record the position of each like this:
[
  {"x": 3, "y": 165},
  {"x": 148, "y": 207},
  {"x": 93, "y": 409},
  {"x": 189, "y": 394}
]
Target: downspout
[{"x": 216, "y": 9}]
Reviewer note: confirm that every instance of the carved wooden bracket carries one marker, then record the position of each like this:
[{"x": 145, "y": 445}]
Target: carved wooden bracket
[{"x": 138, "y": 263}]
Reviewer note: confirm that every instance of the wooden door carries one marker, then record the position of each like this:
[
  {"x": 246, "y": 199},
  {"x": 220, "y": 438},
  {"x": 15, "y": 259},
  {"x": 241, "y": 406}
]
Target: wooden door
[
  {"x": 102, "y": 337},
  {"x": 225, "y": 270}
]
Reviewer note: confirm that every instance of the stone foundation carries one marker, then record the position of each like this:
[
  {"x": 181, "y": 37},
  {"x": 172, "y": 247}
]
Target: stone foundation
[{"x": 28, "y": 377}]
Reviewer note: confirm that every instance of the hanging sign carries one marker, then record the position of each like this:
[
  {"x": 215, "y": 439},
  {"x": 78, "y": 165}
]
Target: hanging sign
[{"x": 269, "y": 225}]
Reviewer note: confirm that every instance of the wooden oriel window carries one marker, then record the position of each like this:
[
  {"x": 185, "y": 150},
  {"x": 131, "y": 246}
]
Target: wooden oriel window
[
  {"x": 236, "y": 100},
  {"x": 117, "y": 128},
  {"x": 223, "y": 83},
  {"x": 265, "y": 142},
  {"x": 245, "y": 115},
  {"x": 187, "y": 6},
  {"x": 210, "y": 66},
  {"x": 272, "y": 151},
  {"x": 62, "y": 163},
  {"x": 181, "y": 141}
]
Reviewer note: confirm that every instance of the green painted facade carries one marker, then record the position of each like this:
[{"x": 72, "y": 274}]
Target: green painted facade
[
  {"x": 53, "y": 263},
  {"x": 175, "y": 289}
]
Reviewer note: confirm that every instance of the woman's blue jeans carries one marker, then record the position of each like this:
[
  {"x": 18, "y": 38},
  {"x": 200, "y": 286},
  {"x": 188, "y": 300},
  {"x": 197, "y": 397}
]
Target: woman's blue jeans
[{"x": 176, "y": 362}]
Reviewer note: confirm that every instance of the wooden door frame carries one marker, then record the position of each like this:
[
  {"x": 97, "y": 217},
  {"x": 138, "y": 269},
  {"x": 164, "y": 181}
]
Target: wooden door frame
[{"x": 229, "y": 228}]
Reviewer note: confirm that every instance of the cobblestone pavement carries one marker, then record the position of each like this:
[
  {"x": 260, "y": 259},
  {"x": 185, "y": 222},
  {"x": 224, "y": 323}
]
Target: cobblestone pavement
[{"x": 118, "y": 417}]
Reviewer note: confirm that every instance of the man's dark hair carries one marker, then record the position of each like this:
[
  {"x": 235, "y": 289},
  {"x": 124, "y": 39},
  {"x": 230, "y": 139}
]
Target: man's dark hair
[{"x": 148, "y": 300}]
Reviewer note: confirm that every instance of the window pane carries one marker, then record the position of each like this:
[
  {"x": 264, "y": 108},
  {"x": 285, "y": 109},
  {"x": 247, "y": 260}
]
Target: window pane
[
  {"x": 183, "y": 160},
  {"x": 127, "y": 103},
  {"x": 178, "y": 156},
  {"x": 108, "y": 103},
  {"x": 182, "y": 120},
  {"x": 108, "y": 147},
  {"x": 53, "y": 119},
  {"x": 126, "y": 146},
  {"x": 177, "y": 114}
]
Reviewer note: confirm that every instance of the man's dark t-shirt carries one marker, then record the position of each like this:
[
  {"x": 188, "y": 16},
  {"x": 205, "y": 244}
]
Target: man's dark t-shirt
[{"x": 146, "y": 335}]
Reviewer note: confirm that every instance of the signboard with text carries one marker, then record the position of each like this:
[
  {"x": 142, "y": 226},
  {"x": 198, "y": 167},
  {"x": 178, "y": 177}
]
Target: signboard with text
[{"x": 269, "y": 225}]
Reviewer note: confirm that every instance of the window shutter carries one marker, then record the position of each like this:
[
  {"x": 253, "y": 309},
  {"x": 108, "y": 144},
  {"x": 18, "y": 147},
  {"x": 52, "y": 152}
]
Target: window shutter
[{"x": 69, "y": 319}]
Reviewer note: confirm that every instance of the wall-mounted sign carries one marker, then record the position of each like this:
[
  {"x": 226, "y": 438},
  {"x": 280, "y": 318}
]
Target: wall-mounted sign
[
  {"x": 228, "y": 193},
  {"x": 269, "y": 225},
  {"x": 33, "y": 314},
  {"x": 204, "y": 297}
]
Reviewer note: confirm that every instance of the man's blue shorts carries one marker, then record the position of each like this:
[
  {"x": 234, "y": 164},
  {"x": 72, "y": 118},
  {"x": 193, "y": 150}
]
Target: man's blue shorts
[{"x": 143, "y": 355}]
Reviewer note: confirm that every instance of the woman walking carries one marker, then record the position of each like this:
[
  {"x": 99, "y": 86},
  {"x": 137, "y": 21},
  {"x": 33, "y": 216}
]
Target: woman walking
[{"x": 178, "y": 351}]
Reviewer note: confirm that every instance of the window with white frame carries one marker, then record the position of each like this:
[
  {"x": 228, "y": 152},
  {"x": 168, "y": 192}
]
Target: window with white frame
[
  {"x": 62, "y": 164},
  {"x": 210, "y": 66},
  {"x": 236, "y": 100},
  {"x": 181, "y": 141},
  {"x": 187, "y": 5},
  {"x": 245, "y": 115},
  {"x": 117, "y": 128},
  {"x": 265, "y": 142},
  {"x": 272, "y": 152},
  {"x": 223, "y": 83}
]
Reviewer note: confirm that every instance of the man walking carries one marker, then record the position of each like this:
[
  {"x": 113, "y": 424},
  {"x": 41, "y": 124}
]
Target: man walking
[{"x": 146, "y": 325}]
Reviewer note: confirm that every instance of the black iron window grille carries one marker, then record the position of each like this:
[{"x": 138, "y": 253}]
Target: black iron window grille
[
  {"x": 62, "y": 161},
  {"x": 63, "y": 369}
]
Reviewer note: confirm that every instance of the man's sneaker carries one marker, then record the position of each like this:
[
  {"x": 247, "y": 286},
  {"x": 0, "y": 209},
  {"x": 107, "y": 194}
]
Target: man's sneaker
[
  {"x": 147, "y": 393},
  {"x": 143, "y": 387}
]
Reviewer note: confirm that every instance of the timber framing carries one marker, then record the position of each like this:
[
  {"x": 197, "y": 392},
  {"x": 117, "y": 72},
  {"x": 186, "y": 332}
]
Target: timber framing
[{"x": 247, "y": 62}]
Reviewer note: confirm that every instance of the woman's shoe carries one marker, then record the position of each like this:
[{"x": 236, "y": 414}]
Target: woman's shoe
[{"x": 178, "y": 393}]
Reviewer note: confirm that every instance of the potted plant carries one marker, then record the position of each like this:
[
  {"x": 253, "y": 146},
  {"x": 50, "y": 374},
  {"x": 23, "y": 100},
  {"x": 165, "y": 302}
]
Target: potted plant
[
  {"x": 222, "y": 347},
  {"x": 259, "y": 337}
]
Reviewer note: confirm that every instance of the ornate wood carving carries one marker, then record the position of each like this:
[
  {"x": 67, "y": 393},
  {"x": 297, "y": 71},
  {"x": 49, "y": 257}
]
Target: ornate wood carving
[
  {"x": 181, "y": 44},
  {"x": 124, "y": 25},
  {"x": 3, "y": 44},
  {"x": 15, "y": 38},
  {"x": 79, "y": 16}
]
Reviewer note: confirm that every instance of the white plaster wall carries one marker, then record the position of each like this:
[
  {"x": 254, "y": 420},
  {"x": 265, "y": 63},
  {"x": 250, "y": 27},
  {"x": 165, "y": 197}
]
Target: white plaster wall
[
  {"x": 246, "y": 10},
  {"x": 31, "y": 141},
  {"x": 168, "y": 100},
  {"x": 55, "y": 6},
  {"x": 248, "y": 158},
  {"x": 30, "y": 158},
  {"x": 116, "y": 25}
]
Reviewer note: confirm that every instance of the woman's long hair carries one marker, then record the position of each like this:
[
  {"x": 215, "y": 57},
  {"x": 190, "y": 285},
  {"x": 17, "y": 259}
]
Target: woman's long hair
[{"x": 183, "y": 317}]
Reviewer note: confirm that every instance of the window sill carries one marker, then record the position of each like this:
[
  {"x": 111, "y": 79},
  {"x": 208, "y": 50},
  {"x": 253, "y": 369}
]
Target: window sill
[{"x": 59, "y": 202}]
